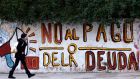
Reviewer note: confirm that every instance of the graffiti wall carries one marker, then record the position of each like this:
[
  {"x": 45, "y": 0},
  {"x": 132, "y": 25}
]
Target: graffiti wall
[{"x": 85, "y": 47}]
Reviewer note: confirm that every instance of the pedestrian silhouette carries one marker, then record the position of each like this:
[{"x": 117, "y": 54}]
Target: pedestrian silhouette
[{"x": 20, "y": 55}]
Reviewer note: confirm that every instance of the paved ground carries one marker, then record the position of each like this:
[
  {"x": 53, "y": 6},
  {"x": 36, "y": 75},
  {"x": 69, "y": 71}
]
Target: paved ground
[{"x": 135, "y": 75}]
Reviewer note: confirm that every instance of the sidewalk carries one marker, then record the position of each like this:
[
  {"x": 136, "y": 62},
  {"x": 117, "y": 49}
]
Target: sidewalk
[{"x": 78, "y": 76}]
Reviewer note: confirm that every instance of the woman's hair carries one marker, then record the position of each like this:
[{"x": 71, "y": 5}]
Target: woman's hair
[{"x": 23, "y": 35}]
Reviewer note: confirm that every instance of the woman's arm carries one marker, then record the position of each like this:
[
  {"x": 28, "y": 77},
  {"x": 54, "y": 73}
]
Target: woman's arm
[
  {"x": 27, "y": 48},
  {"x": 17, "y": 33},
  {"x": 20, "y": 29}
]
